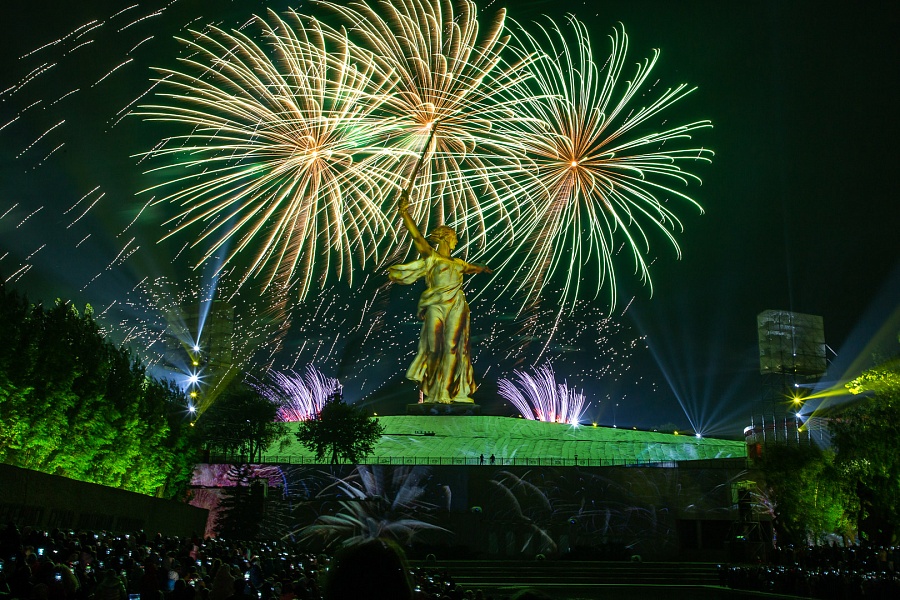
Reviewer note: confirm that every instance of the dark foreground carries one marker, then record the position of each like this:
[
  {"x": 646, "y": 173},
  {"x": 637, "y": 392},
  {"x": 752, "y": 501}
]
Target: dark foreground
[{"x": 98, "y": 565}]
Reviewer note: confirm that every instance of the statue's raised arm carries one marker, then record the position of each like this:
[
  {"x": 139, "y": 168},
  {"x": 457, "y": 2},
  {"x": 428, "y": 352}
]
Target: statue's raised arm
[{"x": 419, "y": 240}]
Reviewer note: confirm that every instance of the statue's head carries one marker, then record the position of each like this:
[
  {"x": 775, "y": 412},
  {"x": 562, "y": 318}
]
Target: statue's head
[{"x": 442, "y": 233}]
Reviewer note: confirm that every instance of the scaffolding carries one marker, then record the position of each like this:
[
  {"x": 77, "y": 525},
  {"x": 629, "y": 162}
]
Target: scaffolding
[
  {"x": 791, "y": 345},
  {"x": 791, "y": 360}
]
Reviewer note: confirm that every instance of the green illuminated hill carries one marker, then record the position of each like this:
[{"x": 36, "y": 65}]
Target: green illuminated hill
[{"x": 463, "y": 439}]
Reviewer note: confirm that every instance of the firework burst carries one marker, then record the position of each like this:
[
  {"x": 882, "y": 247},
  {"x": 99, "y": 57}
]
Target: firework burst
[
  {"x": 298, "y": 397},
  {"x": 273, "y": 159},
  {"x": 602, "y": 174},
  {"x": 539, "y": 398},
  {"x": 446, "y": 74}
]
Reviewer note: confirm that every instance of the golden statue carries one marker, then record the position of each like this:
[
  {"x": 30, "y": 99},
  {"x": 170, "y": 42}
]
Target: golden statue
[{"x": 443, "y": 365}]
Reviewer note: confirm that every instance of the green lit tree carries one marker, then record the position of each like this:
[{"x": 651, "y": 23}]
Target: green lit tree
[
  {"x": 883, "y": 380},
  {"x": 868, "y": 450},
  {"x": 73, "y": 404},
  {"x": 808, "y": 495},
  {"x": 341, "y": 431}
]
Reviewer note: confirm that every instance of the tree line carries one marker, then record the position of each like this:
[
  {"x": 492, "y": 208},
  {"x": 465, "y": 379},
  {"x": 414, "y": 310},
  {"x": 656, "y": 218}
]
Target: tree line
[
  {"x": 74, "y": 404},
  {"x": 242, "y": 424}
]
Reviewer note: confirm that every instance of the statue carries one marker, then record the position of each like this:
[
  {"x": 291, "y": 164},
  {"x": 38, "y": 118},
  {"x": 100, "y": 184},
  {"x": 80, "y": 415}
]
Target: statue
[{"x": 443, "y": 365}]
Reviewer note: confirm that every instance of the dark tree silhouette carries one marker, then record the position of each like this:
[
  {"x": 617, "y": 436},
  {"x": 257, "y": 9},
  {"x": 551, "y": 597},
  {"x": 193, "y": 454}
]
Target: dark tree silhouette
[
  {"x": 242, "y": 506},
  {"x": 340, "y": 430},
  {"x": 241, "y": 422}
]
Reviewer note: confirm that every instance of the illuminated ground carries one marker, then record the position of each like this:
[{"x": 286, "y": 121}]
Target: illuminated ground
[{"x": 462, "y": 439}]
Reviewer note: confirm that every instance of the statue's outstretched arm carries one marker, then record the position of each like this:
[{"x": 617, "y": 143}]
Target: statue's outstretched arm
[
  {"x": 476, "y": 268},
  {"x": 419, "y": 240}
]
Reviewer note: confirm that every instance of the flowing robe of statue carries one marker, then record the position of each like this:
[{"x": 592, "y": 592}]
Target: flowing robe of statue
[{"x": 443, "y": 365}]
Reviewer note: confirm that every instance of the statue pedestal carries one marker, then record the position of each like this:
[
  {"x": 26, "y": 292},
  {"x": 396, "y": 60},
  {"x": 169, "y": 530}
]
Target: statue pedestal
[{"x": 439, "y": 409}]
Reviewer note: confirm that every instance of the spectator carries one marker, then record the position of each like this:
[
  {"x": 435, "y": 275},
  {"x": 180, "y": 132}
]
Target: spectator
[
  {"x": 181, "y": 591},
  {"x": 371, "y": 570},
  {"x": 237, "y": 590},
  {"x": 100, "y": 562},
  {"x": 222, "y": 583},
  {"x": 110, "y": 587},
  {"x": 149, "y": 586},
  {"x": 257, "y": 577},
  {"x": 287, "y": 591}
]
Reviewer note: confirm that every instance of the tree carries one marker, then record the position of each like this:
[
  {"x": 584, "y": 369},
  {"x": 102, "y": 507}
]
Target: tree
[
  {"x": 883, "y": 380},
  {"x": 868, "y": 450},
  {"x": 341, "y": 430},
  {"x": 808, "y": 495},
  {"x": 241, "y": 507},
  {"x": 241, "y": 421},
  {"x": 73, "y": 404}
]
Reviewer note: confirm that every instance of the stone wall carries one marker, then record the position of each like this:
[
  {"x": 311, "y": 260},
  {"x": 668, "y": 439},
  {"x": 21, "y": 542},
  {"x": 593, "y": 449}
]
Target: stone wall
[{"x": 49, "y": 501}]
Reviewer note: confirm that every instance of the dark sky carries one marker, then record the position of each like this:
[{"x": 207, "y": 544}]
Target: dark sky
[{"x": 799, "y": 202}]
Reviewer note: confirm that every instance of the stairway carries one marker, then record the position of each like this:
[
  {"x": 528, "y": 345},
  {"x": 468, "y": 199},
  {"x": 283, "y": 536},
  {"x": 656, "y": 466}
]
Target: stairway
[{"x": 573, "y": 577}]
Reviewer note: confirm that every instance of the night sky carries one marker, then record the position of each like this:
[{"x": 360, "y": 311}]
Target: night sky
[{"x": 799, "y": 204}]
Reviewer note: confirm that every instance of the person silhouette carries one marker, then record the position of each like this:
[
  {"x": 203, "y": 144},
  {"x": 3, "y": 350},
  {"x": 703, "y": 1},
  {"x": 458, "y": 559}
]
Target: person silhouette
[{"x": 369, "y": 570}]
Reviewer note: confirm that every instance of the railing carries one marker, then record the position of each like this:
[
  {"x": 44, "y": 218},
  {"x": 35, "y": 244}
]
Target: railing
[{"x": 486, "y": 462}]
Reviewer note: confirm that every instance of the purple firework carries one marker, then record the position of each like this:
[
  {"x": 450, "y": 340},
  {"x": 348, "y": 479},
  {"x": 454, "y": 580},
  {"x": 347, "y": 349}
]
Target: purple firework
[
  {"x": 539, "y": 398},
  {"x": 297, "y": 396}
]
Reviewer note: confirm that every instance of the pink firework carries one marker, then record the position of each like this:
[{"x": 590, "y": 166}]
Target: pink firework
[
  {"x": 297, "y": 396},
  {"x": 539, "y": 398}
]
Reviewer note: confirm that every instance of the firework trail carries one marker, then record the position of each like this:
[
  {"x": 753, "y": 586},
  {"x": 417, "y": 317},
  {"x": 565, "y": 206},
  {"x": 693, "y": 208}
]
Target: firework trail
[
  {"x": 62, "y": 86},
  {"x": 285, "y": 140},
  {"x": 298, "y": 397},
  {"x": 446, "y": 71},
  {"x": 539, "y": 398},
  {"x": 602, "y": 174}
]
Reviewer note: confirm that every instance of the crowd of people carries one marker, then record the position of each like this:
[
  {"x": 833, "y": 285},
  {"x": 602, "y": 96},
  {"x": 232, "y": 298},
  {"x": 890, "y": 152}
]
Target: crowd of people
[
  {"x": 828, "y": 572},
  {"x": 87, "y": 565}
]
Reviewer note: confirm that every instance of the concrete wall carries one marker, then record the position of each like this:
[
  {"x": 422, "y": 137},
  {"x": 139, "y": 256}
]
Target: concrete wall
[{"x": 49, "y": 501}]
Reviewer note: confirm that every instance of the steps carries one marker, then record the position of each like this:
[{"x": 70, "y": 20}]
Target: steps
[{"x": 487, "y": 574}]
